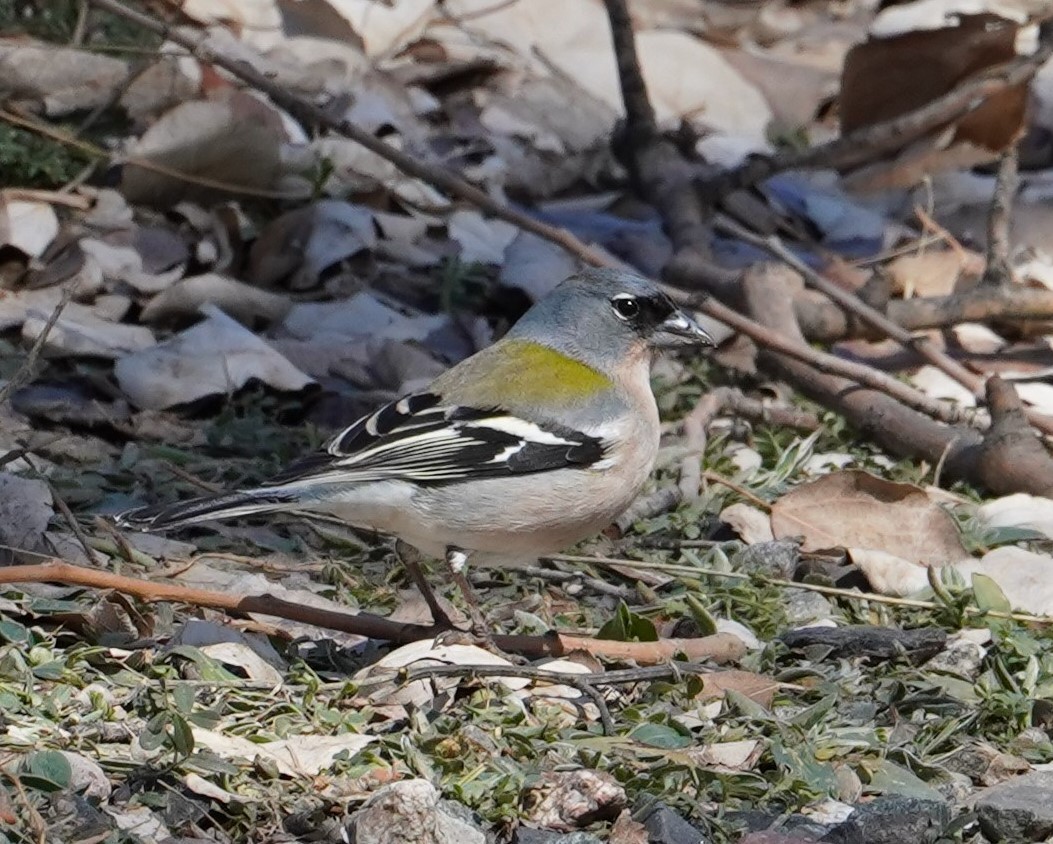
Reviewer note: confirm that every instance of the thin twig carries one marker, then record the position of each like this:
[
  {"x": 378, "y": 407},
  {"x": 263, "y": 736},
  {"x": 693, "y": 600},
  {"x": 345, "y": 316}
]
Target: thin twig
[
  {"x": 739, "y": 489},
  {"x": 582, "y": 682},
  {"x": 27, "y": 371},
  {"x": 999, "y": 268},
  {"x": 836, "y": 591},
  {"x": 854, "y": 305},
  {"x": 830, "y": 364}
]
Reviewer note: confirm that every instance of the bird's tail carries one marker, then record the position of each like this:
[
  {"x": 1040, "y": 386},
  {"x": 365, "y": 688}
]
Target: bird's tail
[{"x": 207, "y": 508}]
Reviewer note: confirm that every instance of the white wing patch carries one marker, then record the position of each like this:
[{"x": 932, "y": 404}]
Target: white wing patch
[{"x": 417, "y": 439}]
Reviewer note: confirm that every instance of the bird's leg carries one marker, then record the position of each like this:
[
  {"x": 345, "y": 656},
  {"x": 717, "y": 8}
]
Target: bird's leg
[
  {"x": 456, "y": 560},
  {"x": 410, "y": 559}
]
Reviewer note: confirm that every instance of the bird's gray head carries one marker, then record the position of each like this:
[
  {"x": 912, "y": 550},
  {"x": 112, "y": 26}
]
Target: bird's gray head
[{"x": 599, "y": 313}]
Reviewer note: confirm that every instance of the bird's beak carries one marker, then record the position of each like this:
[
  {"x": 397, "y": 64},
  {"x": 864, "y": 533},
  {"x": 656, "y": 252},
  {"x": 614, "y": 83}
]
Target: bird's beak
[{"x": 679, "y": 329}]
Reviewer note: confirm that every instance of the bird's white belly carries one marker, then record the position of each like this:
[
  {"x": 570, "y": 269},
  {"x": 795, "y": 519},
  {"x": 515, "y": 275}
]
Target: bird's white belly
[{"x": 507, "y": 521}]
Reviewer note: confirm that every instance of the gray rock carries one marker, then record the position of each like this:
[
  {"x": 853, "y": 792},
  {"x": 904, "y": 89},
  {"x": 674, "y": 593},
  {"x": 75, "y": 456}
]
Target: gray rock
[
  {"x": 666, "y": 826},
  {"x": 525, "y": 835},
  {"x": 775, "y": 559},
  {"x": 893, "y": 820},
  {"x": 410, "y": 811},
  {"x": 804, "y": 607},
  {"x": 1019, "y": 809}
]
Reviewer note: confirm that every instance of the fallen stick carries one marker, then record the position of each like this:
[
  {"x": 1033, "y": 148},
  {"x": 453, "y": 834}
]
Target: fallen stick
[{"x": 720, "y": 648}]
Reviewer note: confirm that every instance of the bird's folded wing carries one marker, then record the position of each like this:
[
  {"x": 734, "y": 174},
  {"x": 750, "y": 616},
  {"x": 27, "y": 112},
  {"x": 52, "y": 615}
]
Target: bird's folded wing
[{"x": 420, "y": 440}]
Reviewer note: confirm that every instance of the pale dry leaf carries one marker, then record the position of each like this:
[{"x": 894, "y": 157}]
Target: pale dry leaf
[
  {"x": 421, "y": 654},
  {"x": 199, "y": 785},
  {"x": 535, "y": 265},
  {"x": 80, "y": 332},
  {"x": 298, "y": 756},
  {"x": 1037, "y": 394},
  {"x": 28, "y": 226},
  {"x": 243, "y": 657},
  {"x": 25, "y": 510},
  {"x": 243, "y": 16},
  {"x": 362, "y": 316},
  {"x": 214, "y": 357},
  {"x": 978, "y": 339},
  {"x": 386, "y": 27},
  {"x": 727, "y": 756},
  {"x": 245, "y": 302},
  {"x": 1025, "y": 577},
  {"x": 854, "y": 509},
  {"x": 548, "y": 689},
  {"x": 139, "y": 823},
  {"x": 56, "y": 79},
  {"x": 713, "y": 96},
  {"x": 483, "y": 240},
  {"x": 172, "y": 78},
  {"x": 87, "y": 777},
  {"x": 793, "y": 88},
  {"x": 752, "y": 525},
  {"x": 1030, "y": 512},
  {"x": 937, "y": 384},
  {"x": 554, "y": 114},
  {"x": 888, "y": 574},
  {"x": 300, "y": 245}
]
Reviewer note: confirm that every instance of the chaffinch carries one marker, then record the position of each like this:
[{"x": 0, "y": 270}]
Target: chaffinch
[{"x": 521, "y": 450}]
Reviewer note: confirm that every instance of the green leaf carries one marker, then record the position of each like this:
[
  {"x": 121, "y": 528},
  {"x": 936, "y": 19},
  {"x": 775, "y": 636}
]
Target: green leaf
[
  {"x": 889, "y": 778},
  {"x": 660, "y": 735},
  {"x": 989, "y": 595},
  {"x": 50, "y": 768},
  {"x": 13, "y": 632},
  {"x": 183, "y": 697},
  {"x": 182, "y": 736},
  {"x": 627, "y": 626},
  {"x": 707, "y": 625},
  {"x": 51, "y": 670}
]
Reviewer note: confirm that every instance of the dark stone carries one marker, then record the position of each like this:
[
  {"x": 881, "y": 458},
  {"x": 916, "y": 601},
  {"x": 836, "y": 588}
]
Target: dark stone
[
  {"x": 1020, "y": 809},
  {"x": 524, "y": 835},
  {"x": 893, "y": 820},
  {"x": 666, "y": 826},
  {"x": 869, "y": 641}
]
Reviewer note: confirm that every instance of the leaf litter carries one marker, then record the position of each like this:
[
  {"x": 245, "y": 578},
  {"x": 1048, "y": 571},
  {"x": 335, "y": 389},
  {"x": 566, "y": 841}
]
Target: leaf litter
[{"x": 324, "y": 281}]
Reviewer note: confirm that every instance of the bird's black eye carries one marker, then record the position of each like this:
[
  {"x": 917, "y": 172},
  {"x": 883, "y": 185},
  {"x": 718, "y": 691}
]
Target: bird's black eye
[{"x": 626, "y": 307}]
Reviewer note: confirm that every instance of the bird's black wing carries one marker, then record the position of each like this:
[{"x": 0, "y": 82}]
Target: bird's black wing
[{"x": 421, "y": 440}]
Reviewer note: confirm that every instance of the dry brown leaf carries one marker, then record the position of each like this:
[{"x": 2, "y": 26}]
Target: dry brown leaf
[
  {"x": 756, "y": 687},
  {"x": 236, "y": 140},
  {"x": 855, "y": 509},
  {"x": 933, "y": 273}
]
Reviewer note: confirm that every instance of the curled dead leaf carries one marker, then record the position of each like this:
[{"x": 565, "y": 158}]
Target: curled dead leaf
[{"x": 855, "y": 509}]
